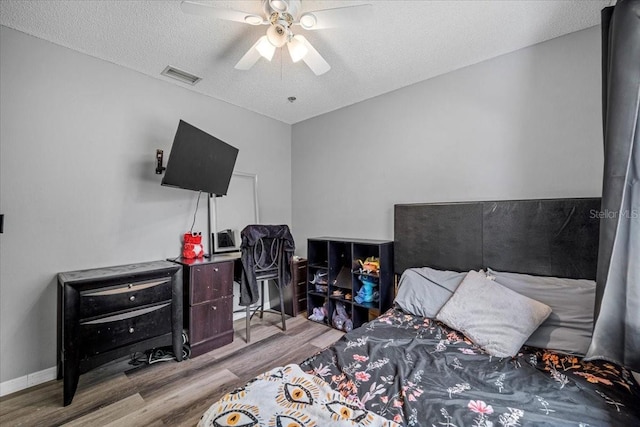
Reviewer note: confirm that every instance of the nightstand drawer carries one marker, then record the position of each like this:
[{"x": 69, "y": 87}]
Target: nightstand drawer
[
  {"x": 213, "y": 280},
  {"x": 213, "y": 317},
  {"x": 299, "y": 272},
  {"x": 101, "y": 301},
  {"x": 301, "y": 288},
  {"x": 110, "y": 332}
]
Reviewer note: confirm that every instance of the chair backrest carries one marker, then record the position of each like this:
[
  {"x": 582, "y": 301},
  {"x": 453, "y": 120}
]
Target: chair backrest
[{"x": 267, "y": 254}]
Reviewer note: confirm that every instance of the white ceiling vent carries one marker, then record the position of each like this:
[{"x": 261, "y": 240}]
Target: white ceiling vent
[{"x": 183, "y": 76}]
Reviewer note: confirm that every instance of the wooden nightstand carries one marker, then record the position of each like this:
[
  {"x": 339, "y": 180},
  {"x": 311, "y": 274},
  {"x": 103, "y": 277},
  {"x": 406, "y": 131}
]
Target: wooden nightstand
[
  {"x": 208, "y": 302},
  {"x": 107, "y": 313}
]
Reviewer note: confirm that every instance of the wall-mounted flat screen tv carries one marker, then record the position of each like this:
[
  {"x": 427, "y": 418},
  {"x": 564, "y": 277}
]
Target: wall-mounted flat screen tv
[{"x": 199, "y": 161}]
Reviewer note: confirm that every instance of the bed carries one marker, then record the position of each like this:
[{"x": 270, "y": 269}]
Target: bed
[{"x": 517, "y": 364}]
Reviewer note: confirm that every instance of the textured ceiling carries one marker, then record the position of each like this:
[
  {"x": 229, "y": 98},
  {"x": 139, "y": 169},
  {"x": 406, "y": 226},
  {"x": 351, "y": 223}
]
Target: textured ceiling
[{"x": 404, "y": 42}]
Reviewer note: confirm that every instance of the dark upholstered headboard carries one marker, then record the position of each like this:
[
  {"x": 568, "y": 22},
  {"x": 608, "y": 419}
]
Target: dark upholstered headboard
[{"x": 547, "y": 237}]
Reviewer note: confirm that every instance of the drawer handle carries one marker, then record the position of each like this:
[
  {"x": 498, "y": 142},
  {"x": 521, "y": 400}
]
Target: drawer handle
[
  {"x": 213, "y": 307},
  {"x": 122, "y": 288},
  {"x": 131, "y": 330},
  {"x": 127, "y": 315},
  {"x": 132, "y": 298},
  {"x": 215, "y": 269}
]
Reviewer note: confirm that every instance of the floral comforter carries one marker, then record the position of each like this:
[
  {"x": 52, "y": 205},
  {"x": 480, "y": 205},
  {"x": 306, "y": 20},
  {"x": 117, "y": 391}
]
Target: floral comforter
[{"x": 418, "y": 372}]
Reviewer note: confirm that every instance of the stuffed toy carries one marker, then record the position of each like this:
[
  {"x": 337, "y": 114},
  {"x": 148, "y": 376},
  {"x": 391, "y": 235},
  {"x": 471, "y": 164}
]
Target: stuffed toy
[
  {"x": 371, "y": 265},
  {"x": 192, "y": 247},
  {"x": 340, "y": 318},
  {"x": 366, "y": 294},
  {"x": 319, "y": 314}
]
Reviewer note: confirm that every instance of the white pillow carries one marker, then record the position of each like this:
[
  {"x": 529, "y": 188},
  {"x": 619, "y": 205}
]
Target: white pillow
[
  {"x": 494, "y": 317},
  {"x": 570, "y": 326}
]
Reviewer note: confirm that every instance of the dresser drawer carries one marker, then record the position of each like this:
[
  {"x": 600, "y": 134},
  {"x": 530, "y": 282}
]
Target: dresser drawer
[
  {"x": 302, "y": 302},
  {"x": 102, "y": 301},
  {"x": 213, "y": 317},
  {"x": 300, "y": 288},
  {"x": 299, "y": 272},
  {"x": 110, "y": 332},
  {"x": 210, "y": 281}
]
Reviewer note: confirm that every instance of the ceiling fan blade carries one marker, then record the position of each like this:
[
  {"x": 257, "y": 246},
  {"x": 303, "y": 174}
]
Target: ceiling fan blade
[
  {"x": 261, "y": 48},
  {"x": 313, "y": 59},
  {"x": 201, "y": 9},
  {"x": 337, "y": 17},
  {"x": 249, "y": 59}
]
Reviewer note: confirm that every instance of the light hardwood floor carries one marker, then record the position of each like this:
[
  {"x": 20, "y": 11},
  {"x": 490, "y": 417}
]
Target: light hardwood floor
[{"x": 168, "y": 393}]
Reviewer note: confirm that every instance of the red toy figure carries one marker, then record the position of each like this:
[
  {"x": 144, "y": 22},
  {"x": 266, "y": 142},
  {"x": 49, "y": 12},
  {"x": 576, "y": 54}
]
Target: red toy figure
[{"x": 192, "y": 247}]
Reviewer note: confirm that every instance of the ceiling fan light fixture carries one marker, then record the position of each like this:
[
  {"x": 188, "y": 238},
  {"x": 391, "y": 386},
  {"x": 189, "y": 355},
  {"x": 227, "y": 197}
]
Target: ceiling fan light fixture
[
  {"x": 265, "y": 48},
  {"x": 278, "y": 34},
  {"x": 297, "y": 49},
  {"x": 308, "y": 20},
  {"x": 253, "y": 19}
]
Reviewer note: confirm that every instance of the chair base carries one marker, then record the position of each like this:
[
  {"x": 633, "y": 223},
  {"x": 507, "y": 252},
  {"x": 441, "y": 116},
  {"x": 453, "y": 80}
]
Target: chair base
[{"x": 252, "y": 310}]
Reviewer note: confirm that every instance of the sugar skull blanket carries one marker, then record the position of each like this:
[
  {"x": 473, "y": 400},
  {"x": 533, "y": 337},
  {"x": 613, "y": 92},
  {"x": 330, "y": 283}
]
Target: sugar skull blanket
[{"x": 287, "y": 396}]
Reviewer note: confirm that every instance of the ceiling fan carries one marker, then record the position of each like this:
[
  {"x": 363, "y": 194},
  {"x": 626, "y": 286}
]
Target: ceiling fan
[{"x": 280, "y": 16}]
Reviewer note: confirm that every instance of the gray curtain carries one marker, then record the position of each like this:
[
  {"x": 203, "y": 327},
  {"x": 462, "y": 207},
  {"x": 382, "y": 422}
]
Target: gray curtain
[{"x": 616, "y": 335}]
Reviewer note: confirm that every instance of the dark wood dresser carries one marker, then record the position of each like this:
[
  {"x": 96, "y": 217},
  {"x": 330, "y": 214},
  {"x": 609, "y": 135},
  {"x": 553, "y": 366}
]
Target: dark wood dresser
[
  {"x": 107, "y": 313},
  {"x": 208, "y": 301},
  {"x": 295, "y": 294}
]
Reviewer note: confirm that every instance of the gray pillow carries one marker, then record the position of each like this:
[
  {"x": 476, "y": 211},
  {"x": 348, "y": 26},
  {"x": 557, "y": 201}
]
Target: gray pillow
[
  {"x": 569, "y": 327},
  {"x": 423, "y": 291},
  {"x": 494, "y": 317}
]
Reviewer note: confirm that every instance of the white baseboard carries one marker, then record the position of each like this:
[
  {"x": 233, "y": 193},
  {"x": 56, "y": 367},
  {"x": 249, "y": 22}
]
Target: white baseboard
[{"x": 27, "y": 381}]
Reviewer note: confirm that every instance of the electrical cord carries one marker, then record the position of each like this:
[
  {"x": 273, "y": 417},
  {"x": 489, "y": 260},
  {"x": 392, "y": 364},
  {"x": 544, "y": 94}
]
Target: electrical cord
[
  {"x": 194, "y": 221},
  {"x": 195, "y": 212}
]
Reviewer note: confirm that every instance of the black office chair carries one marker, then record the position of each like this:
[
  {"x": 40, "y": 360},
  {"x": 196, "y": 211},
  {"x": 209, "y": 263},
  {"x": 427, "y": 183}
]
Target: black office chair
[{"x": 266, "y": 255}]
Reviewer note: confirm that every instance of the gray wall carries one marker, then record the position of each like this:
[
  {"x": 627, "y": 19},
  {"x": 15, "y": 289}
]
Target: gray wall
[
  {"x": 77, "y": 182},
  {"x": 78, "y": 137},
  {"x": 523, "y": 125}
]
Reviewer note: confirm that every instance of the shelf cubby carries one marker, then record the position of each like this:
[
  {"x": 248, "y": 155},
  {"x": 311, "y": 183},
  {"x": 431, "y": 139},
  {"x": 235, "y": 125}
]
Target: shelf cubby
[{"x": 339, "y": 259}]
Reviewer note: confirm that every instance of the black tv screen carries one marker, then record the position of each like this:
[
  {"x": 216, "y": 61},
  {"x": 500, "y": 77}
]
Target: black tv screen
[{"x": 199, "y": 161}]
